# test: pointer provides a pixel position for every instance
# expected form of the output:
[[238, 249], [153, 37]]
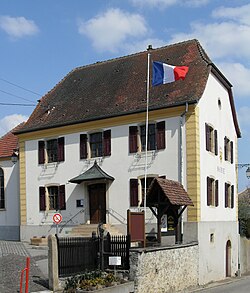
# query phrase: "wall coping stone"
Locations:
[[159, 248]]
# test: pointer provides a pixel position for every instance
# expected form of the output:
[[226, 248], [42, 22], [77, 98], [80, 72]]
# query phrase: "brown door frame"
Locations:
[[97, 203]]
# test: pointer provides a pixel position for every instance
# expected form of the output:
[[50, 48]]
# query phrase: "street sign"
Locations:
[[115, 261], [57, 218]]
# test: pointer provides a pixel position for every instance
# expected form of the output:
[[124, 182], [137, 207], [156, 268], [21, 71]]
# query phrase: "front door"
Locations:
[[97, 203]]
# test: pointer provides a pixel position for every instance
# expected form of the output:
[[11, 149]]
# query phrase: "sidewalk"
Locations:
[[215, 284]]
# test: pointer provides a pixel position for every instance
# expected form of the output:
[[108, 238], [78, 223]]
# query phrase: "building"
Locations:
[[82, 151], [9, 187]]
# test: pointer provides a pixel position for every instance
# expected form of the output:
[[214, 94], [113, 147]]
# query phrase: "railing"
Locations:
[[81, 211], [117, 216]]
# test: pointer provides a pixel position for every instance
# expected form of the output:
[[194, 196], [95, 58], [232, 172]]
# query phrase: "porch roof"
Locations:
[[169, 189], [93, 173]]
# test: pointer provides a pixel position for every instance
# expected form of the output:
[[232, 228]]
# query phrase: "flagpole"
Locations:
[[146, 144]]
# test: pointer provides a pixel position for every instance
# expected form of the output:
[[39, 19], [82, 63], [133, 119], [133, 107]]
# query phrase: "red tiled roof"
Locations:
[[118, 87], [9, 142], [173, 190]]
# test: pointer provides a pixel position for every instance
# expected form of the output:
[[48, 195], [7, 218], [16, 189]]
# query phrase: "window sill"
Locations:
[[2, 210]]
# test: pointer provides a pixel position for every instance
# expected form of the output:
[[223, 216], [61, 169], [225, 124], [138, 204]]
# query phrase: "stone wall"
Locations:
[[164, 269], [244, 255]]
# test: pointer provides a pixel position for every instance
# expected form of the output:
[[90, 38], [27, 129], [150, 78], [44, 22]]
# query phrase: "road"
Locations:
[[236, 286]]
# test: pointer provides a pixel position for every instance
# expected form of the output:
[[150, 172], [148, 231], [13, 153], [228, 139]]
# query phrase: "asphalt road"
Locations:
[[13, 257]]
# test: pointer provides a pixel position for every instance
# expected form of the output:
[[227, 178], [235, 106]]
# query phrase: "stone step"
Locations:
[[87, 229]]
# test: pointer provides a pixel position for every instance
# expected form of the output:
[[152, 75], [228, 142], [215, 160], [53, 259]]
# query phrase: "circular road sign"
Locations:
[[57, 218]]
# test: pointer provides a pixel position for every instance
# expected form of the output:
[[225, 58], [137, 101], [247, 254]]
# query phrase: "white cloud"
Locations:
[[238, 14], [161, 4], [238, 75], [154, 3], [220, 39], [18, 27], [110, 31], [11, 121]]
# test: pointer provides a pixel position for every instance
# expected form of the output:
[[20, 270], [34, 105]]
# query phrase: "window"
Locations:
[[151, 137], [211, 139], [50, 151], [228, 150], [52, 198], [229, 196], [212, 192], [96, 144], [137, 190], [156, 137], [2, 197]]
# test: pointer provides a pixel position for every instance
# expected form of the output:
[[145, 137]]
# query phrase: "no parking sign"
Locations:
[[57, 218]]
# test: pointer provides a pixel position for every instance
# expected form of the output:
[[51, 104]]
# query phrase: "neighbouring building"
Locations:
[[82, 151], [9, 187]]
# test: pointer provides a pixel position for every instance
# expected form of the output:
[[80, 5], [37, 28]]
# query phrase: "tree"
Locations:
[[244, 212]]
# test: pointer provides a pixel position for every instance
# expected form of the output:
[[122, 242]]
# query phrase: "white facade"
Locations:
[[218, 224], [121, 165], [10, 215]]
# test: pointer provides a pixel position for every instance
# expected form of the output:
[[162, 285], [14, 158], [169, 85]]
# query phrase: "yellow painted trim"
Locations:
[[23, 208], [193, 163], [103, 123]]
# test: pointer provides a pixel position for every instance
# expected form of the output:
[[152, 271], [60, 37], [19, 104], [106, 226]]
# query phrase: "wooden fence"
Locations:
[[78, 254]]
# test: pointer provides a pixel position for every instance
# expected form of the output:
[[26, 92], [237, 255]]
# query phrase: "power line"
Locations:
[[15, 96], [20, 87], [10, 104]]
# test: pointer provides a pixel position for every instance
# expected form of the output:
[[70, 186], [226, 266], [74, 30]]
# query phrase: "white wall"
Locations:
[[9, 217], [121, 165], [219, 221], [211, 165]]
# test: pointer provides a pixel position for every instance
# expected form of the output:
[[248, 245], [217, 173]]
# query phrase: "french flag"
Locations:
[[165, 73]]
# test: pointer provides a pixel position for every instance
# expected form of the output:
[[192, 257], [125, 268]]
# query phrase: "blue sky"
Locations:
[[42, 40]]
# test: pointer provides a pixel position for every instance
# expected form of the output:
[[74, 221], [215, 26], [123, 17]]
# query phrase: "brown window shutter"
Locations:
[[226, 195], [208, 142], [60, 149], [42, 198], [160, 135], [232, 151], [133, 139], [41, 154], [107, 142], [216, 193], [232, 196], [209, 191], [83, 146], [62, 202], [215, 142], [133, 192], [225, 149]]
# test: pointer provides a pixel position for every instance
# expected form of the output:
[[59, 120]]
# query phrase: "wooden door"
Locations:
[[97, 203], [228, 259]]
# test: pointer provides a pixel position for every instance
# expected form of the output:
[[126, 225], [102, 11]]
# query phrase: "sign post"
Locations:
[[57, 219]]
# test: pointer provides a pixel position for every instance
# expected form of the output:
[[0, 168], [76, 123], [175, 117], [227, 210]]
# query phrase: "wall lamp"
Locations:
[[14, 156], [245, 166]]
